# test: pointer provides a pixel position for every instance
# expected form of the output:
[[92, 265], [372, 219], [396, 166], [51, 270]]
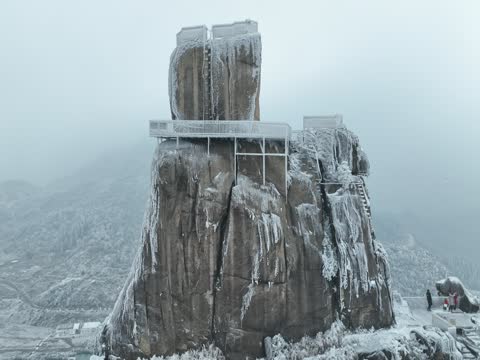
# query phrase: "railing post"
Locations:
[[286, 161], [235, 159], [263, 152], [208, 145]]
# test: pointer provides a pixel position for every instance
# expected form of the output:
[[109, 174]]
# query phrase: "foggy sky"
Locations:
[[78, 78]]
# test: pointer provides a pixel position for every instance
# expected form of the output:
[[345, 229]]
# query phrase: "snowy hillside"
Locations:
[[414, 267], [66, 248], [15, 190]]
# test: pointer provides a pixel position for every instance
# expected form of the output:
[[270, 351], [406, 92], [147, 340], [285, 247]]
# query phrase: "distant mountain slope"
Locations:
[[15, 190], [414, 267], [68, 246]]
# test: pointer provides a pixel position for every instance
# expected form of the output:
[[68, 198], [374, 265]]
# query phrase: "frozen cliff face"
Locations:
[[216, 78], [235, 72], [233, 263]]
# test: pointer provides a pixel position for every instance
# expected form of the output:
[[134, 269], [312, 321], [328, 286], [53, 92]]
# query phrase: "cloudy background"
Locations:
[[80, 78]]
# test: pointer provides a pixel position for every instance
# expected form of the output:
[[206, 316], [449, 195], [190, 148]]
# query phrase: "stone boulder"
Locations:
[[467, 302]]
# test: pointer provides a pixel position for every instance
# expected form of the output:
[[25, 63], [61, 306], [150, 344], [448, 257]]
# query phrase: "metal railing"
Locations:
[[219, 129], [236, 130], [322, 122]]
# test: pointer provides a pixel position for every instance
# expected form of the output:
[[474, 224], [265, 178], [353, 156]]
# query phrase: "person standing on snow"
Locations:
[[429, 300], [451, 301], [455, 301]]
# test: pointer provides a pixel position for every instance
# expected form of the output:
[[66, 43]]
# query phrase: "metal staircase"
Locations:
[[366, 203]]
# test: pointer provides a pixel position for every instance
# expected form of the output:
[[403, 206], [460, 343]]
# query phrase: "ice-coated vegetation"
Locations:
[[206, 353], [397, 343], [334, 149]]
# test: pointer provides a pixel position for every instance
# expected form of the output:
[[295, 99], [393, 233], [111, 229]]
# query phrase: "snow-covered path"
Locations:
[[418, 308], [421, 316]]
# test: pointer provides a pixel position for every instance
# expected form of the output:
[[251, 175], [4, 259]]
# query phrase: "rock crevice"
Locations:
[[217, 281]]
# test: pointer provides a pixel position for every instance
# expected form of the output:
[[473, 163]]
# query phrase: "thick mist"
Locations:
[[78, 79]]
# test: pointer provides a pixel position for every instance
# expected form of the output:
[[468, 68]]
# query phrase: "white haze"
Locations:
[[78, 78]]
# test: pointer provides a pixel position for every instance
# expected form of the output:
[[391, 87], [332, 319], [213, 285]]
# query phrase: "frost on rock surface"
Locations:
[[169, 294], [206, 353], [230, 262], [228, 259], [236, 67], [216, 79]]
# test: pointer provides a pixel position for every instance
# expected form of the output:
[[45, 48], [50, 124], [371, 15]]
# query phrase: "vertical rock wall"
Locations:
[[232, 264], [216, 79], [189, 81]]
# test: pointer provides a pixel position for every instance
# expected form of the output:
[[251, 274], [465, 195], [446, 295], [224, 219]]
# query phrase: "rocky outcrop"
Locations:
[[467, 302], [216, 78], [228, 258], [232, 263]]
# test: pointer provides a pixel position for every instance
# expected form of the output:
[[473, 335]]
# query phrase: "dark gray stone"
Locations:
[[218, 79]]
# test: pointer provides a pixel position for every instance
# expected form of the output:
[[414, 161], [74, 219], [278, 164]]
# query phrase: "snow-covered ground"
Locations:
[[420, 316], [17, 341], [20, 341], [417, 306], [338, 343]]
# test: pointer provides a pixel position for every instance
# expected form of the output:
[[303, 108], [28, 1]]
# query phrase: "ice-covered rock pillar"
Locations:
[[216, 77], [225, 257], [231, 263]]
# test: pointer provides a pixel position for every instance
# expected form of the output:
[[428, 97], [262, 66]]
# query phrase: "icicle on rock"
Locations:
[[216, 77]]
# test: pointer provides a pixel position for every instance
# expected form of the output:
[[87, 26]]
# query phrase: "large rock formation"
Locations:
[[232, 264], [216, 78], [231, 261]]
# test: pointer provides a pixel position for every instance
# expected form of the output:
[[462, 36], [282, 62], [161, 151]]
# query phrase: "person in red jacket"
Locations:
[[445, 304]]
